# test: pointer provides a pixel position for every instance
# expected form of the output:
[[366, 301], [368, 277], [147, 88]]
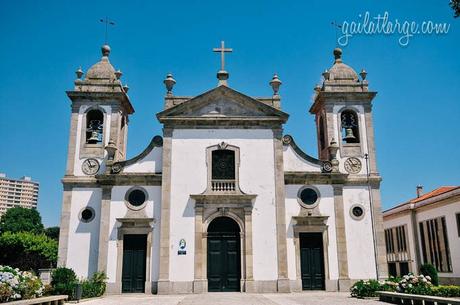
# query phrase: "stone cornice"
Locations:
[[310, 220], [75, 96], [314, 177], [111, 180], [337, 98], [223, 123], [331, 178], [237, 200], [130, 179]]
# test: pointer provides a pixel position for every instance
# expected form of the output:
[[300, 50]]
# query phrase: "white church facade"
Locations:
[[222, 200]]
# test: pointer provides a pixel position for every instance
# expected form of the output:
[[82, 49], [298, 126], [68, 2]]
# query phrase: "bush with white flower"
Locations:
[[415, 284], [16, 285]]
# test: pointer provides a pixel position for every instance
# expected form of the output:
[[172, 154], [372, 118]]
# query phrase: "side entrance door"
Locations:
[[312, 261], [134, 254]]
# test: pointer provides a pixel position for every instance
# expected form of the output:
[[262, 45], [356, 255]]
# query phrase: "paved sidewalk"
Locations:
[[235, 298]]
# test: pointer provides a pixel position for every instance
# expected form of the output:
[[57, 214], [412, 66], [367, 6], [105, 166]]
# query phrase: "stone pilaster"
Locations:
[[104, 228], [281, 238], [382, 267], [248, 257], [199, 282], [65, 226], [71, 149], [370, 139], [163, 281], [341, 236]]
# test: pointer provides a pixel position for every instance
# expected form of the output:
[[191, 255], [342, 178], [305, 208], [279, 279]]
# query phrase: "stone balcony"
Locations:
[[223, 185]]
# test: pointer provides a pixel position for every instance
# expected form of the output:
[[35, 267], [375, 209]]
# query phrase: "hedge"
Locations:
[[27, 251]]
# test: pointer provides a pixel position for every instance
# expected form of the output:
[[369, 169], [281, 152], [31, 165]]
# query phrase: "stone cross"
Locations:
[[222, 51]]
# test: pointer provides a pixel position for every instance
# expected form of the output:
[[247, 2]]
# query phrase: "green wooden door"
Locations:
[[312, 261], [223, 260], [134, 255]]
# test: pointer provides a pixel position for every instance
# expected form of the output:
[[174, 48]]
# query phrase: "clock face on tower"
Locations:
[[90, 166], [352, 165]]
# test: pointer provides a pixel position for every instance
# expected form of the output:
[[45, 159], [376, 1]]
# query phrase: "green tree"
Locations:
[[52, 232], [430, 270], [21, 220], [455, 5], [27, 251]]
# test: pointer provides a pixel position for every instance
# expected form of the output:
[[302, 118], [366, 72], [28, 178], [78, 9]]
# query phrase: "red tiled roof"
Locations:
[[433, 193]]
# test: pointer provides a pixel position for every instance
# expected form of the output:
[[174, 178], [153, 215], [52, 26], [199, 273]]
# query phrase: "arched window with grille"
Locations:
[[223, 162], [94, 126], [350, 126]]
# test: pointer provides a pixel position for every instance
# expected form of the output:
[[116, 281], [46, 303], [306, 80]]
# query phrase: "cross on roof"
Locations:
[[222, 51]]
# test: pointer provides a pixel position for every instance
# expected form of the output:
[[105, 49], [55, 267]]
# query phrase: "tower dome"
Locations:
[[340, 71], [102, 69]]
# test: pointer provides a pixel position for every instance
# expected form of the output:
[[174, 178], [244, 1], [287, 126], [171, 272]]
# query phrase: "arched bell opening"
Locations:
[[350, 127]]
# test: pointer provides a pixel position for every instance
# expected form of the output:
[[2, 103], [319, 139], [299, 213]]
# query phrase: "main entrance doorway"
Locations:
[[312, 261], [224, 257], [134, 254]]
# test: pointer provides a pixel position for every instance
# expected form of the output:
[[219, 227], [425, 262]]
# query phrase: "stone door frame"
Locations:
[[135, 226], [310, 224], [204, 215]]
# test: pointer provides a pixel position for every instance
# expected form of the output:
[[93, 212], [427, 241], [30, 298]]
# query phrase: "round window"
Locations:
[[87, 215], [136, 198], [309, 197], [357, 212]]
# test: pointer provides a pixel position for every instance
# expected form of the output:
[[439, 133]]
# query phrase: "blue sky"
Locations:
[[416, 111]]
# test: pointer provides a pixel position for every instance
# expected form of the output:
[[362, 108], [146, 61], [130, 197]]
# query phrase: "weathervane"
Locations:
[[336, 27], [107, 21], [222, 75]]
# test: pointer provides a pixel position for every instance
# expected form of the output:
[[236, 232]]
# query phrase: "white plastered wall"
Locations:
[[293, 162], [83, 243], [118, 209], [151, 163], [189, 176], [359, 234], [326, 208]]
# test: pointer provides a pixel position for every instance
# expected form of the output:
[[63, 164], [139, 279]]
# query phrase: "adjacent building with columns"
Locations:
[[425, 229], [222, 200]]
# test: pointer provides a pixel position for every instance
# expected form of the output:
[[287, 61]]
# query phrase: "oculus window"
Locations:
[[136, 198], [87, 214], [308, 197]]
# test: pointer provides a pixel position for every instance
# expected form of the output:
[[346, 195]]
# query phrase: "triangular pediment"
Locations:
[[222, 103]]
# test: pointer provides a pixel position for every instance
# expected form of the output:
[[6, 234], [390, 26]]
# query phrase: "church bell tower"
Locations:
[[343, 114], [99, 120], [343, 110]]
